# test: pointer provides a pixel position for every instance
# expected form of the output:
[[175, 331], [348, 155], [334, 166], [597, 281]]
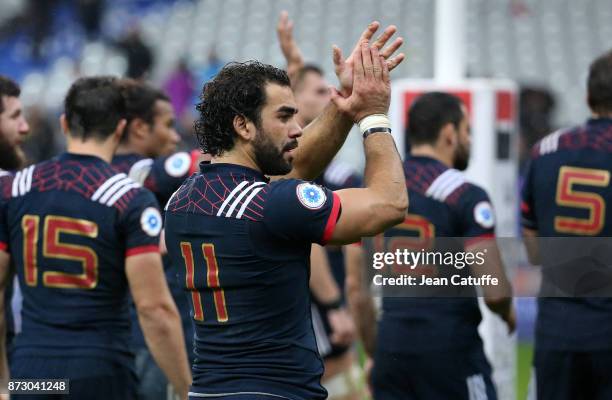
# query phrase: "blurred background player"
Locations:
[[81, 235], [429, 347], [13, 126], [312, 94], [147, 155], [566, 192], [275, 223], [13, 129]]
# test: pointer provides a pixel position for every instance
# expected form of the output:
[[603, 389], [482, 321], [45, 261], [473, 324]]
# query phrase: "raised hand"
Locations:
[[290, 49], [344, 67], [371, 85]]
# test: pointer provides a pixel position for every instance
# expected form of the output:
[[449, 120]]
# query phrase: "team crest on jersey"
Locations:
[[151, 221], [178, 164], [483, 214], [311, 196]]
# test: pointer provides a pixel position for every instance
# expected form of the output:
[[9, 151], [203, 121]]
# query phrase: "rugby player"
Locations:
[[82, 237], [429, 347], [312, 94], [566, 192], [13, 129], [251, 307], [147, 155]]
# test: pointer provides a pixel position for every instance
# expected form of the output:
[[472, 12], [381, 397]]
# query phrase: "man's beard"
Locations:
[[462, 158], [12, 156], [270, 159]]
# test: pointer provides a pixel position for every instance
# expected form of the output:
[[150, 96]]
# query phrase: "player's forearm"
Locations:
[[359, 300], [322, 283], [164, 336], [320, 142], [384, 177]]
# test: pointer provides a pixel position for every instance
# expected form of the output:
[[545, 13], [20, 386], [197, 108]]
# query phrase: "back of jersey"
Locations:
[[444, 209], [565, 196], [70, 223]]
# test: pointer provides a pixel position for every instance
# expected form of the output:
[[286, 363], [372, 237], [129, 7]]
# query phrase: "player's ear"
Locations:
[[448, 135], [64, 124], [139, 128], [244, 127], [120, 129]]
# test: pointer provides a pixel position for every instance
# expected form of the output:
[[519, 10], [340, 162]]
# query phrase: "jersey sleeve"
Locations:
[[167, 174], [141, 224], [301, 211], [5, 184], [477, 217], [528, 217]]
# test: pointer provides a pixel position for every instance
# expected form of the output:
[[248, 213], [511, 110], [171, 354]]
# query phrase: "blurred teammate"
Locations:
[[429, 348], [147, 155], [251, 308], [312, 94], [13, 129], [13, 126], [566, 192], [81, 235]]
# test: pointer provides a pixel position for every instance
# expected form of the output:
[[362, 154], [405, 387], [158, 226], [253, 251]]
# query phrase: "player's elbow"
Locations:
[[157, 314], [391, 213], [397, 207]]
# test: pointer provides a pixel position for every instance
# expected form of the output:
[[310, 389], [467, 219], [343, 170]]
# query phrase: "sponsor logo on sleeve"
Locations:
[[151, 221], [311, 196], [483, 214], [178, 164]]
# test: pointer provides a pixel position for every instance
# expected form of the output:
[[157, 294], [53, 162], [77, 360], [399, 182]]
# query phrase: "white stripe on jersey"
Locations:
[[22, 182], [140, 170], [121, 192], [229, 197], [15, 190], [115, 188], [445, 184], [247, 201], [28, 182], [106, 185], [240, 197]]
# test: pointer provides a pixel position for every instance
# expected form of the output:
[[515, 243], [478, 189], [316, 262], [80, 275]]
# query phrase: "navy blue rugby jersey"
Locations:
[[162, 175], [242, 247], [565, 195], [442, 204], [69, 223]]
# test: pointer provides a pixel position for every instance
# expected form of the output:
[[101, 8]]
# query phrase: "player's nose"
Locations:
[[24, 127], [295, 131]]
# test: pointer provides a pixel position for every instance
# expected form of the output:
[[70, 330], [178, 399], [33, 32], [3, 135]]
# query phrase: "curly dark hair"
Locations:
[[238, 89]]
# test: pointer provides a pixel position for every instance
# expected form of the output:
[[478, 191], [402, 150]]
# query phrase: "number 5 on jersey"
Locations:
[[212, 281], [568, 196]]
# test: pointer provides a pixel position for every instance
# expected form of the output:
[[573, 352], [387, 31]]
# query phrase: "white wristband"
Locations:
[[374, 121]]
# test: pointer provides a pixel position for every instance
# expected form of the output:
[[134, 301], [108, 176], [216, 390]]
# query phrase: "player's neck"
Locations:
[[429, 151], [104, 150], [130, 148], [238, 157], [601, 115]]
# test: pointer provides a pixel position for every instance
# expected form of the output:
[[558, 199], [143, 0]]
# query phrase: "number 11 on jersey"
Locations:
[[212, 281]]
